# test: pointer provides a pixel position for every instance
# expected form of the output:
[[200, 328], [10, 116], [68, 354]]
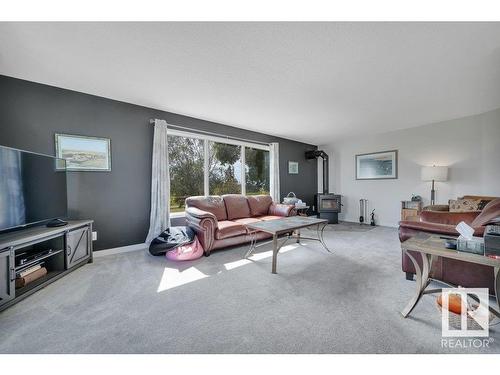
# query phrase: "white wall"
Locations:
[[469, 146]]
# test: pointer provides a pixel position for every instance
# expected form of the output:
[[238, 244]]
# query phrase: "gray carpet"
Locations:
[[345, 302]]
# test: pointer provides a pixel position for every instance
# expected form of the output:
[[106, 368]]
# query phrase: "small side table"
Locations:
[[410, 210], [301, 211], [430, 248]]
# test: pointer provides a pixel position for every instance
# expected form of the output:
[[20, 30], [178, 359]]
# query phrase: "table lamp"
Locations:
[[434, 173]]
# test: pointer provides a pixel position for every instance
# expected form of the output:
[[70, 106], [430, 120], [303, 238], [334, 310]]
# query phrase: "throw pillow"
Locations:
[[464, 205]]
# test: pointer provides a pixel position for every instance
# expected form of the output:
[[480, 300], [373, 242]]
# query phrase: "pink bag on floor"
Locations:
[[191, 251]]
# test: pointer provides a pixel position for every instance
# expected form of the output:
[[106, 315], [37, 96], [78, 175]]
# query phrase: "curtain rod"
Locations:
[[152, 122]]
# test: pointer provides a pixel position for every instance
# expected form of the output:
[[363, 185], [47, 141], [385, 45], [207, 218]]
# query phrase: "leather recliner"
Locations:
[[219, 221]]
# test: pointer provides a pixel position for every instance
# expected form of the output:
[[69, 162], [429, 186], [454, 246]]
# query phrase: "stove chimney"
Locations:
[[323, 155]]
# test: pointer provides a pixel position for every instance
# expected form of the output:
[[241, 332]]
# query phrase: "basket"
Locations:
[[455, 320], [291, 198]]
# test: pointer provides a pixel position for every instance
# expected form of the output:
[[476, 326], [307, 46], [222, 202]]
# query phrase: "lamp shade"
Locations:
[[434, 173]]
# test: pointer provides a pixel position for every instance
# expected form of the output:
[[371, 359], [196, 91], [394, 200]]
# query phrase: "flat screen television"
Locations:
[[32, 188]]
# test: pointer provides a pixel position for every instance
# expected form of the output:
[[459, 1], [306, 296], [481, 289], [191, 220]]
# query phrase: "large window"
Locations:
[[186, 164], [256, 171], [206, 165], [224, 169]]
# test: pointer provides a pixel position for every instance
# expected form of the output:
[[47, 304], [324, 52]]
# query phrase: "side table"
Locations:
[[431, 247], [301, 211], [410, 210]]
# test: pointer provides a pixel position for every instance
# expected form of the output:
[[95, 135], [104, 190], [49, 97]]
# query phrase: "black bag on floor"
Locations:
[[170, 239]]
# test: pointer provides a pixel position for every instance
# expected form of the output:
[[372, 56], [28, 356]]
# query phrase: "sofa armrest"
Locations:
[[408, 229], [204, 225], [449, 218], [278, 209], [200, 214], [429, 227]]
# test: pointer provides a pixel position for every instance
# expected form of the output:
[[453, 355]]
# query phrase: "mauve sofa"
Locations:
[[443, 222], [219, 221]]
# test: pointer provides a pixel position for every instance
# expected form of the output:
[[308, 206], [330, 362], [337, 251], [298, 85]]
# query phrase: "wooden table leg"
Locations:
[[275, 252], [298, 235], [422, 281]]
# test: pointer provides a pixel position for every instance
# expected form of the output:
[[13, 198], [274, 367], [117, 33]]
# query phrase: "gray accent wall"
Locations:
[[118, 201]]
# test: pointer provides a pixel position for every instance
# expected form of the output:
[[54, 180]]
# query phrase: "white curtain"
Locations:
[[275, 172], [159, 218]]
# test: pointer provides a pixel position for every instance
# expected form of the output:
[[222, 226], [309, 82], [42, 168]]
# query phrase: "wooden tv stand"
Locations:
[[61, 249]]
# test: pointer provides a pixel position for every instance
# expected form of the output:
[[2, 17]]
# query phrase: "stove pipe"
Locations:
[[323, 155]]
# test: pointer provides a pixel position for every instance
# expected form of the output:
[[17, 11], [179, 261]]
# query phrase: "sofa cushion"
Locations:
[[247, 220], [268, 217], [213, 204], [259, 204], [488, 215], [226, 229], [236, 206]]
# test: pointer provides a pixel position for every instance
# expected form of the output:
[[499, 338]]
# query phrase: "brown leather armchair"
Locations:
[[443, 222]]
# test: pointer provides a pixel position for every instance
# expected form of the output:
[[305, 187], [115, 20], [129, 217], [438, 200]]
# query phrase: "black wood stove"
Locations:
[[328, 205]]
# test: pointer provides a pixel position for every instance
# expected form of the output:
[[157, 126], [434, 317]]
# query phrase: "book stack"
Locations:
[[29, 275]]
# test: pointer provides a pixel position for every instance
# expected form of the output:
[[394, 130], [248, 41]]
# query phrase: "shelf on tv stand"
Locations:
[[37, 260], [38, 282]]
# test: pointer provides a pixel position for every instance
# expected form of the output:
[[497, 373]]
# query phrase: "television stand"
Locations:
[[56, 251]]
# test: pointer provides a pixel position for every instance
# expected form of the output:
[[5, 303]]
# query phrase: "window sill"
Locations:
[[177, 214]]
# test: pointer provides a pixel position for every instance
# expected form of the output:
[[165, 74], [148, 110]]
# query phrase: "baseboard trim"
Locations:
[[378, 224], [120, 250], [386, 225]]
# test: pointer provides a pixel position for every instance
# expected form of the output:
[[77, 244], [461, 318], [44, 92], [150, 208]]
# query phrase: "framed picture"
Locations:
[[84, 153], [293, 167], [377, 165]]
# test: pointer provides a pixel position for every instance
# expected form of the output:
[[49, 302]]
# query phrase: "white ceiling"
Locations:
[[313, 82]]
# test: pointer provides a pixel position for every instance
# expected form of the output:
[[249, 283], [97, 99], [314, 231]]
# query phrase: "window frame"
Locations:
[[206, 139]]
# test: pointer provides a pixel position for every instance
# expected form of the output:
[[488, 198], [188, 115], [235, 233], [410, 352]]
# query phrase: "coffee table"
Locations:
[[431, 247], [289, 226]]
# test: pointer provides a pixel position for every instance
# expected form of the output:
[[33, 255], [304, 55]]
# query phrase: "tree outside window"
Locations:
[[224, 169], [186, 164], [256, 171]]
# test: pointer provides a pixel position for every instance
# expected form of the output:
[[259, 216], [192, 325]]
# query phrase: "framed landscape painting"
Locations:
[[377, 165], [84, 153]]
